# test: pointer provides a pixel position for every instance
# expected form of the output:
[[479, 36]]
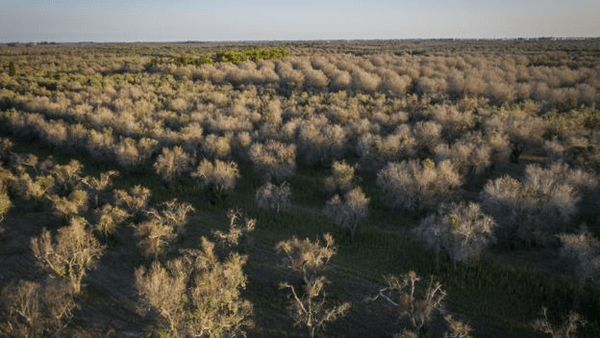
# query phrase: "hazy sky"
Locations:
[[211, 20]]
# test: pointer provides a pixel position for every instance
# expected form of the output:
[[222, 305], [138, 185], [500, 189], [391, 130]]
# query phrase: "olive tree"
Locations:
[[536, 207], [400, 292], [275, 197], [162, 227], [70, 253], [342, 178], [416, 185], [218, 178], [134, 201], [460, 230], [5, 204], [581, 251], [171, 164], [75, 204], [348, 211], [308, 306], [456, 328], [108, 218], [240, 228], [33, 309], [95, 186], [274, 158], [566, 330], [197, 294], [67, 176]]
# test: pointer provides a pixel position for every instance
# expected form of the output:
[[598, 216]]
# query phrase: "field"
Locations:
[[155, 189]]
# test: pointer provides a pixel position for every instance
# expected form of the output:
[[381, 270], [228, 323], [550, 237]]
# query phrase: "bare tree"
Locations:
[[309, 307], [163, 288], [582, 252], [320, 142], [218, 308], [198, 295], [566, 330], [406, 333], [216, 146], [457, 328], [108, 218], [237, 232], [522, 128], [131, 154], [133, 201], [459, 229], [537, 206], [274, 158], [72, 252], [5, 149], [100, 143], [67, 176], [25, 162], [162, 226], [127, 153], [22, 302], [29, 188], [154, 236], [171, 164], [173, 214], [73, 205], [349, 211], [271, 196], [307, 257], [219, 178], [342, 178], [59, 301], [37, 309], [96, 186], [400, 293], [5, 203], [417, 185], [467, 155]]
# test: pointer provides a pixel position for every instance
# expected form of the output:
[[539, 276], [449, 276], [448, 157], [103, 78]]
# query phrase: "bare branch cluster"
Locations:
[[198, 294], [400, 293], [72, 252], [309, 307], [460, 230]]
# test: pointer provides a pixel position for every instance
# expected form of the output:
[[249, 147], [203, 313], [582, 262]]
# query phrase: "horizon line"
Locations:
[[551, 38]]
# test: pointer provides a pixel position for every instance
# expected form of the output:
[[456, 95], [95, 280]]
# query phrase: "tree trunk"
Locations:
[[311, 332], [517, 149]]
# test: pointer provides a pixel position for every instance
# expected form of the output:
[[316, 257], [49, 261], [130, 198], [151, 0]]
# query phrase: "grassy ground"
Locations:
[[499, 296]]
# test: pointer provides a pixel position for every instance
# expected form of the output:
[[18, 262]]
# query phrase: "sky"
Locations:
[[236, 20]]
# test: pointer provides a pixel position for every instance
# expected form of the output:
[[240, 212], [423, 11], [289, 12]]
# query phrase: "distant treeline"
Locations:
[[232, 56]]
